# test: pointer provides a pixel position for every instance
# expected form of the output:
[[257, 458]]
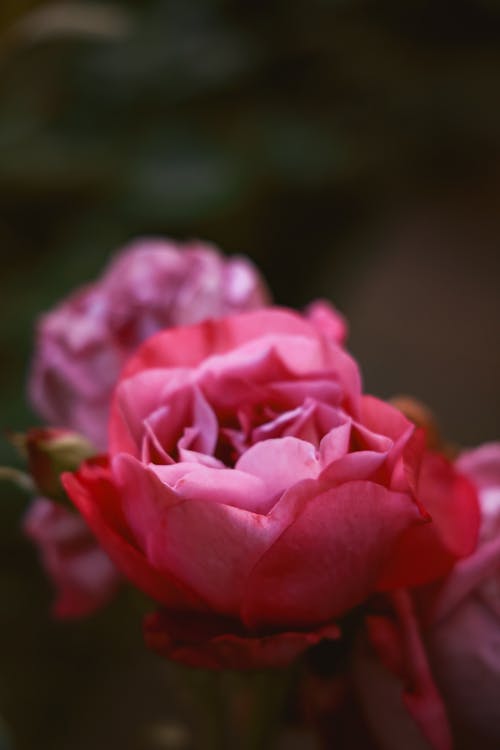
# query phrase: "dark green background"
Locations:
[[350, 148]]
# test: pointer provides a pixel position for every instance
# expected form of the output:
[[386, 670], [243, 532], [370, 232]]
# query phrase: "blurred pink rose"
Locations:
[[460, 629], [83, 343], [84, 576], [464, 637]]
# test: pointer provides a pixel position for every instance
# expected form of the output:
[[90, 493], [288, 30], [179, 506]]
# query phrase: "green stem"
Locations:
[[17, 477]]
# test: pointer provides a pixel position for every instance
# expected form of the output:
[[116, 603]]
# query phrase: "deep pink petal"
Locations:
[[189, 345], [428, 552], [208, 546], [351, 529], [95, 494]]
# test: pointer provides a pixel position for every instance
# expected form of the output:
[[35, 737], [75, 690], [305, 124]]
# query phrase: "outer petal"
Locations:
[[209, 546], [327, 320], [350, 529], [221, 485], [218, 643], [187, 346], [426, 553], [94, 493]]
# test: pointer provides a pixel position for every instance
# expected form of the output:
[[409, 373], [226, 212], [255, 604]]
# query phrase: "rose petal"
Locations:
[[136, 399], [209, 546], [280, 463], [428, 552], [327, 320], [95, 495], [351, 529], [190, 345]]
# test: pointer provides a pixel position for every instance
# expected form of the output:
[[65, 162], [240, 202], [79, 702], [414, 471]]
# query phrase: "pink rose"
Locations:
[[84, 576], [83, 343], [253, 491]]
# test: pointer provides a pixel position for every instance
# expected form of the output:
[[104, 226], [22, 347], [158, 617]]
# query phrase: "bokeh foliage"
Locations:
[[276, 128]]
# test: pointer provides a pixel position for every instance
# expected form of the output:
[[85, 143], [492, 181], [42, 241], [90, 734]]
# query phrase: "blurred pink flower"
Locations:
[[460, 629], [84, 576], [464, 639], [82, 344]]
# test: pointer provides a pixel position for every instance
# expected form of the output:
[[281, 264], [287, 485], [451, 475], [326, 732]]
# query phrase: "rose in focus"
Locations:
[[83, 343], [255, 493]]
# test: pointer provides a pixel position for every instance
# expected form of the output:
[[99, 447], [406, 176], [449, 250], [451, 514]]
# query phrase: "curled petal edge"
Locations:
[[216, 643]]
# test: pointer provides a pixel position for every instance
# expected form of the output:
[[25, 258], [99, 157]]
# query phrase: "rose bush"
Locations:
[[256, 494], [81, 346]]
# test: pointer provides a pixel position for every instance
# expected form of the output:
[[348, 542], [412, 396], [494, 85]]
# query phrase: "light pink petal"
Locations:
[[152, 449], [135, 399], [346, 373], [327, 320], [335, 444], [229, 486], [280, 463], [321, 387], [310, 421]]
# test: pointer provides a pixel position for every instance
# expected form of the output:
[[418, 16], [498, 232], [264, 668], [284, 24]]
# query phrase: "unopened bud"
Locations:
[[51, 452]]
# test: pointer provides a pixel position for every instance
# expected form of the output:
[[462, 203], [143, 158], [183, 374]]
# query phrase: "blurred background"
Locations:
[[351, 148]]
